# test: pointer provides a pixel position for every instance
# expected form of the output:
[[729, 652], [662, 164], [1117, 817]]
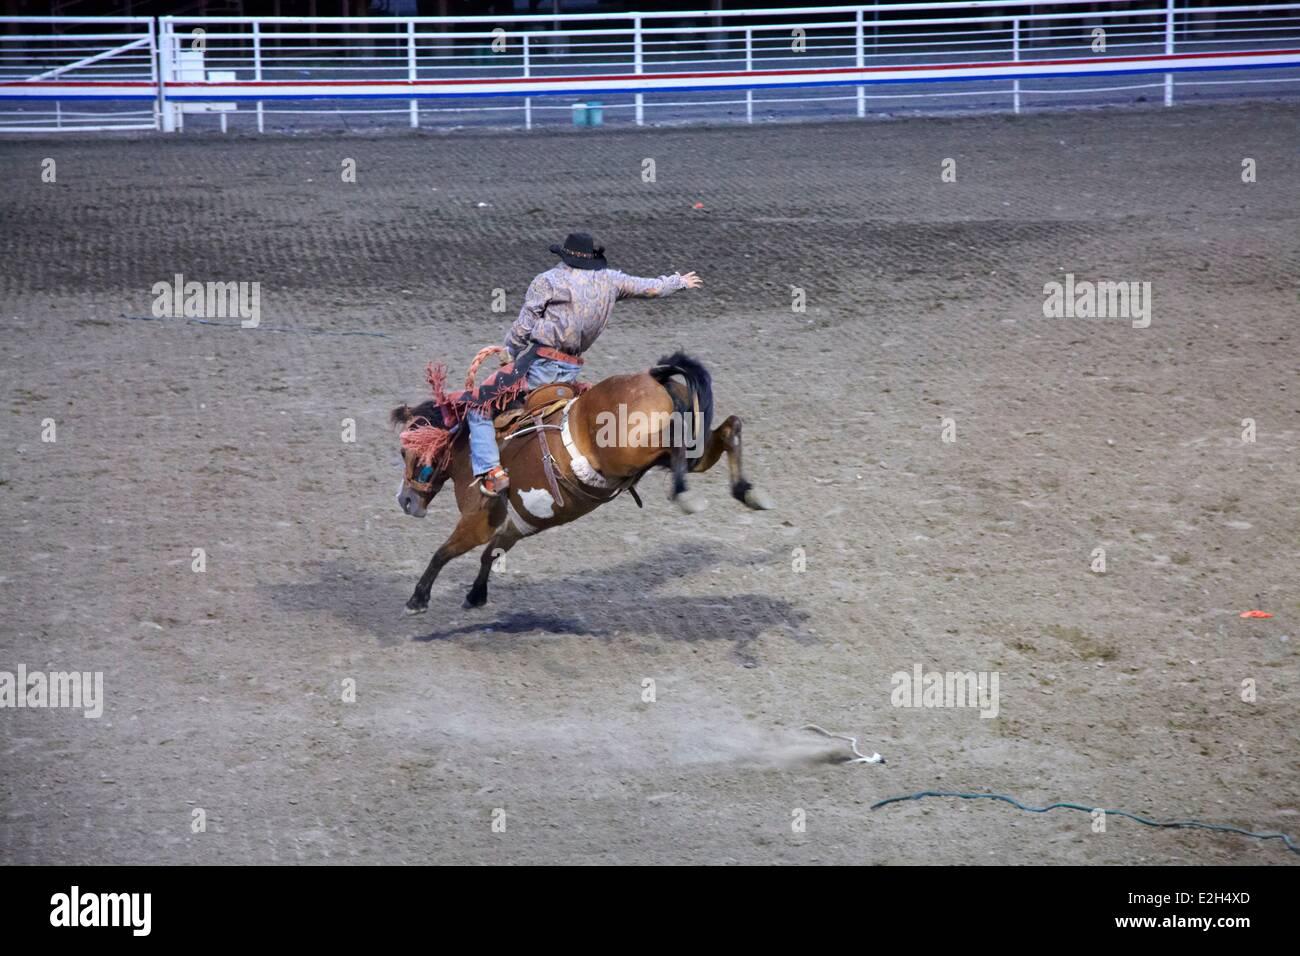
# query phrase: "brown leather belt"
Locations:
[[546, 352]]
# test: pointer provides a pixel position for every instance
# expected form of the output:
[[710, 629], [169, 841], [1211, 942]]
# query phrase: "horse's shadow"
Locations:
[[626, 600]]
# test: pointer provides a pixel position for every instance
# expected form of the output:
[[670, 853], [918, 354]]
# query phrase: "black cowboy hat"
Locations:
[[581, 252]]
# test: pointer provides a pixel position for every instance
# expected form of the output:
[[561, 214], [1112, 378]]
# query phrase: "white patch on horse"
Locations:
[[537, 502]]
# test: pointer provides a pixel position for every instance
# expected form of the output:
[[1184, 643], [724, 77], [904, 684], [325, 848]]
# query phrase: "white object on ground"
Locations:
[[859, 756]]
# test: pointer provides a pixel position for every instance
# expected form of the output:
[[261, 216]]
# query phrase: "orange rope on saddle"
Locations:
[[480, 358]]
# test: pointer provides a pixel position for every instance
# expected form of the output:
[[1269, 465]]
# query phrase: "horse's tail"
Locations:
[[696, 408]]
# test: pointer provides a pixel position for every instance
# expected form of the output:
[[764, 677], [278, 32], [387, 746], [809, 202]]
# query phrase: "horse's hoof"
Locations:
[[415, 608], [690, 504], [758, 500], [470, 602]]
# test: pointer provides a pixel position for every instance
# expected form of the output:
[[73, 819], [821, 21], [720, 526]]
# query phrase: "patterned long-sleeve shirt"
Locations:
[[567, 308]]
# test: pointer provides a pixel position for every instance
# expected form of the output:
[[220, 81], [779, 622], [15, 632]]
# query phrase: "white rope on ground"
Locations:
[[859, 756]]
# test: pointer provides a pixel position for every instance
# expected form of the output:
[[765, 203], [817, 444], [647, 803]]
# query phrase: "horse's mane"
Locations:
[[430, 427]]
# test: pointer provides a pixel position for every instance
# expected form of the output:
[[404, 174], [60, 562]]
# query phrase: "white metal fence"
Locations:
[[78, 73], [660, 66]]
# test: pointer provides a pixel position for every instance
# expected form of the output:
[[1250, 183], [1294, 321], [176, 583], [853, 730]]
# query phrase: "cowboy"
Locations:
[[564, 311]]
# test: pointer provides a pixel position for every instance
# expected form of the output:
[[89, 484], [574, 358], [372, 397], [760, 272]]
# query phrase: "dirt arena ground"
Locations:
[[224, 689]]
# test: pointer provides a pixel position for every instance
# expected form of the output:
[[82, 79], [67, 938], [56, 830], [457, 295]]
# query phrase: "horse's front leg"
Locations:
[[473, 529], [501, 542]]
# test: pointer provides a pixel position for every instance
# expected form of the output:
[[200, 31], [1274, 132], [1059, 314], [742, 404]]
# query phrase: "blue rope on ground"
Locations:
[[1173, 824]]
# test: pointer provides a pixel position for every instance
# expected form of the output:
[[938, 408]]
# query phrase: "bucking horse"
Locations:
[[569, 448]]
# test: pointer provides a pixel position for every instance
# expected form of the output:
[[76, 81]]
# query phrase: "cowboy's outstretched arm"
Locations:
[[539, 293], [636, 287]]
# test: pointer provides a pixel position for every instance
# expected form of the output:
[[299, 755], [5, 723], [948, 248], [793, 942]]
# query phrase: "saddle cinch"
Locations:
[[541, 402]]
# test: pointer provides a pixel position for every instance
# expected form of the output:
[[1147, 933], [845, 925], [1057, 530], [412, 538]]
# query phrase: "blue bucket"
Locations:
[[588, 114]]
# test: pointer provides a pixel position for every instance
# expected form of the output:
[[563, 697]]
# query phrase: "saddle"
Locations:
[[542, 402]]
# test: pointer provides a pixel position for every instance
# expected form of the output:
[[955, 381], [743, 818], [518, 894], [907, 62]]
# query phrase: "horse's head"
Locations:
[[426, 455]]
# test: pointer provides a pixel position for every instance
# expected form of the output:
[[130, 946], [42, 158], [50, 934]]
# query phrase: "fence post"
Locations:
[[528, 100], [1169, 49], [858, 43], [749, 68], [165, 73], [1015, 55], [153, 71], [638, 66], [257, 68], [412, 72]]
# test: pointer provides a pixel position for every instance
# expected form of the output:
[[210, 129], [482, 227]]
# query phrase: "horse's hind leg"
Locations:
[[726, 438], [501, 542], [679, 464], [472, 530]]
